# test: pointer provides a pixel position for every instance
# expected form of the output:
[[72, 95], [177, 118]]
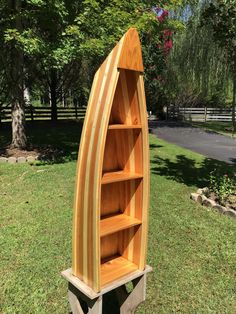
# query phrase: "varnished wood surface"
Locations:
[[131, 55], [89, 292], [117, 223], [124, 126], [113, 171], [116, 268], [117, 176], [119, 197]]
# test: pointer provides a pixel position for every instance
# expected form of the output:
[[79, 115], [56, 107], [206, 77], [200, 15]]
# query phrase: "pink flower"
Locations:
[[165, 13], [167, 33], [168, 44], [160, 18], [160, 13]]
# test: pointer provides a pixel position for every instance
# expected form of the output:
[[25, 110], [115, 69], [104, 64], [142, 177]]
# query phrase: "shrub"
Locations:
[[222, 185]]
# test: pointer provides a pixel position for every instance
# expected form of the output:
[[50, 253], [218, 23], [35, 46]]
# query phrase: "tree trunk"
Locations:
[[53, 94], [18, 125], [27, 96], [17, 91]]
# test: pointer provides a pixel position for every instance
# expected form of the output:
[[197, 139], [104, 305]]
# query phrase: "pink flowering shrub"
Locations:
[[166, 42], [158, 44]]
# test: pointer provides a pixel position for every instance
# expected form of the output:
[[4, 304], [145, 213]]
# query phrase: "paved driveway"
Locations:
[[207, 143]]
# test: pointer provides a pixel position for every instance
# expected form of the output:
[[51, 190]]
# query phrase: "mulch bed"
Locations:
[[210, 199], [41, 152], [229, 202]]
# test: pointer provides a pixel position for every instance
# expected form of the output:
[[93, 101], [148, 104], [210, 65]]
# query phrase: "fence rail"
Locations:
[[199, 114], [44, 113]]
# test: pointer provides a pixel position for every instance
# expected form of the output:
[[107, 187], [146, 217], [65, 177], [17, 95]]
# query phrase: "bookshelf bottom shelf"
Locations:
[[116, 268]]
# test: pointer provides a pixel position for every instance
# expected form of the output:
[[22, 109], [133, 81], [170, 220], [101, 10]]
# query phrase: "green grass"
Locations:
[[62, 135], [224, 128], [192, 249]]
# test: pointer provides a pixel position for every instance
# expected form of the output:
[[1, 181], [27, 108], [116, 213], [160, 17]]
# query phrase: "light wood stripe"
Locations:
[[88, 254], [78, 214], [131, 110], [85, 203], [100, 154], [87, 177], [146, 180]]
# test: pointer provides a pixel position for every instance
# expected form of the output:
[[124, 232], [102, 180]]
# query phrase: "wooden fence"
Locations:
[[44, 113], [199, 114]]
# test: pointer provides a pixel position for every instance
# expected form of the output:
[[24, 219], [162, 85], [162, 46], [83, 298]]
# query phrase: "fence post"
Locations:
[[31, 113], [76, 112], [205, 114]]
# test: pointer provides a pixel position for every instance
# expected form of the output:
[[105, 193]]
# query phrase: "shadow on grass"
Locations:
[[186, 170], [153, 146], [54, 142], [233, 160]]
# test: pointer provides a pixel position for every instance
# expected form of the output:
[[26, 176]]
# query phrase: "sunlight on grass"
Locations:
[[224, 128], [191, 248]]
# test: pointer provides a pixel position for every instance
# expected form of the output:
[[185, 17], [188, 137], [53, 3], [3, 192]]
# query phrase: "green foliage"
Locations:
[[224, 185], [71, 38], [220, 15], [198, 70]]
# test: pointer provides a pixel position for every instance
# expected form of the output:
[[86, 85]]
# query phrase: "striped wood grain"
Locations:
[[107, 153]]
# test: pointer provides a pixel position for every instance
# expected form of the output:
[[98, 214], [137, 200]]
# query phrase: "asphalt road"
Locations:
[[207, 143]]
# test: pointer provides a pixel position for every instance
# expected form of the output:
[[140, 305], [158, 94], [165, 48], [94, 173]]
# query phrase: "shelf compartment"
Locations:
[[123, 150], [124, 126], [118, 176], [125, 106], [124, 197], [120, 253], [117, 223], [115, 268]]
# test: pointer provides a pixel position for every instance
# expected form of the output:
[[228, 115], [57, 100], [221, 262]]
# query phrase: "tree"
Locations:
[[197, 74], [35, 36], [221, 17], [49, 40], [94, 28], [12, 68]]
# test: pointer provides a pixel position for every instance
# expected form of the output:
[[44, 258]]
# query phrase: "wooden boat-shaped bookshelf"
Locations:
[[112, 186]]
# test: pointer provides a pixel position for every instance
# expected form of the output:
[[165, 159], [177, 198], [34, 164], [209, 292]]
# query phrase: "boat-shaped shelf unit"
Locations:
[[112, 185]]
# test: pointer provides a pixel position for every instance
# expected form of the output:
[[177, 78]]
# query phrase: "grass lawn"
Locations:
[[191, 248], [216, 126]]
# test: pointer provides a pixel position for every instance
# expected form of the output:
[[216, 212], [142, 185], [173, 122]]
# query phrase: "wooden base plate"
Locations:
[[80, 285]]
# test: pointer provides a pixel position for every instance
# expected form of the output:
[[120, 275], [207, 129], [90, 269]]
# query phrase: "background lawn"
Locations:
[[216, 126], [192, 249]]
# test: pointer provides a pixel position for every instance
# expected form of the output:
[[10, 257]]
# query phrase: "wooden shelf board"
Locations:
[[124, 126], [117, 223], [115, 269], [117, 176]]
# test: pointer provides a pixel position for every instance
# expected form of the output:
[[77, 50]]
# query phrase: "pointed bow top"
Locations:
[[131, 53]]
